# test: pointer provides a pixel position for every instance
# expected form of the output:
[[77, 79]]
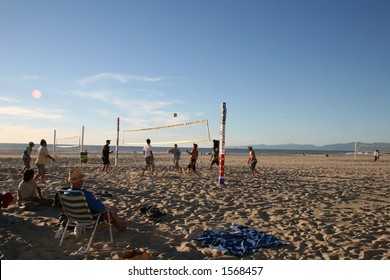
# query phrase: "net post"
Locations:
[[82, 139], [54, 143], [117, 142], [355, 150], [221, 179]]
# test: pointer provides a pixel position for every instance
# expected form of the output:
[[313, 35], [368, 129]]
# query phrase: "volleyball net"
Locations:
[[368, 149], [188, 132], [68, 142]]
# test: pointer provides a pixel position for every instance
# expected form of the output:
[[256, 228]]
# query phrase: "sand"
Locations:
[[325, 208]]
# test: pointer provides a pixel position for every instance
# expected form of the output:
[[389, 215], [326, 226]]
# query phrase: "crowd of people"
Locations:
[[29, 193], [30, 197]]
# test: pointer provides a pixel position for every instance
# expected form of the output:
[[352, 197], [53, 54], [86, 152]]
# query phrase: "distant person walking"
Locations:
[[376, 155], [176, 153], [149, 158], [42, 161], [252, 160], [26, 157], [106, 156], [193, 158]]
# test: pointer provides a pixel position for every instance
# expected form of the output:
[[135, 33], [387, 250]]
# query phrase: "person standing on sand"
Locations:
[[149, 158], [376, 155], [176, 157], [42, 161], [106, 156], [214, 159], [193, 158], [252, 160], [26, 157]]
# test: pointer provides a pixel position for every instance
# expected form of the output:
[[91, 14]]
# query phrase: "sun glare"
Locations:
[[36, 94]]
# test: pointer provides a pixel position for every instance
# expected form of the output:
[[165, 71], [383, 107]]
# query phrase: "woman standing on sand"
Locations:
[[252, 160]]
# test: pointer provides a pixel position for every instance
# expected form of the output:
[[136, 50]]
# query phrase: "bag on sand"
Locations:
[[57, 201], [152, 212]]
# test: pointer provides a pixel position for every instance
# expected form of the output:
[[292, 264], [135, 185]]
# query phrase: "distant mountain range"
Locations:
[[332, 147]]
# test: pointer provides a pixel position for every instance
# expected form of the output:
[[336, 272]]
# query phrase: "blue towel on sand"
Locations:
[[238, 240]]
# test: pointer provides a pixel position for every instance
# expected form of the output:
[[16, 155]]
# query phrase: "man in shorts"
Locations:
[[42, 160], [149, 158], [252, 160], [176, 157], [106, 156]]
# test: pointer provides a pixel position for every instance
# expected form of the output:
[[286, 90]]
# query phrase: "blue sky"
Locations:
[[305, 72]]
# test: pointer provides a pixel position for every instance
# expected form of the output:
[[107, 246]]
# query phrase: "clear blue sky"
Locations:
[[303, 71]]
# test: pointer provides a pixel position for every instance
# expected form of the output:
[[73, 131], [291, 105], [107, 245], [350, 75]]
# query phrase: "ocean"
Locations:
[[12, 147]]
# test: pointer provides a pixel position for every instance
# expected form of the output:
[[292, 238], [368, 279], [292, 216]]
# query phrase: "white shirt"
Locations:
[[42, 156], [148, 150]]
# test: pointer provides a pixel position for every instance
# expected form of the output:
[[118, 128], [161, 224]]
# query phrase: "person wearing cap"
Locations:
[[29, 193], [42, 160], [106, 156], [149, 157], [76, 179], [26, 157], [193, 158]]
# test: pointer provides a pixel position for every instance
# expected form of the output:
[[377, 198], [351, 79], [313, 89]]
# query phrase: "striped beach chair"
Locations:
[[79, 215]]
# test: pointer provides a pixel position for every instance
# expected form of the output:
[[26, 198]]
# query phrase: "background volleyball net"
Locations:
[[368, 149], [68, 142], [188, 132]]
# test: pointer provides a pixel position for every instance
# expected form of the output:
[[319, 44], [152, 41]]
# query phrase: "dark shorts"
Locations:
[[105, 160], [253, 164], [149, 161], [192, 164], [26, 162]]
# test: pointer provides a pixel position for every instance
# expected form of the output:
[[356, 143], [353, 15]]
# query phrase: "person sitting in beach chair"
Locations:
[[76, 179], [29, 194]]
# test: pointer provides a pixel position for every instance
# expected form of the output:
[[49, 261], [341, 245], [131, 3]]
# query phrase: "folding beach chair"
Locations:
[[79, 216]]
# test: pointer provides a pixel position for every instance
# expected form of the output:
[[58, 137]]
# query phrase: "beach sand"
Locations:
[[331, 207]]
